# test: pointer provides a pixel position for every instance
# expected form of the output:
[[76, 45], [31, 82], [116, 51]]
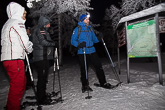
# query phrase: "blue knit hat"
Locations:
[[83, 17]]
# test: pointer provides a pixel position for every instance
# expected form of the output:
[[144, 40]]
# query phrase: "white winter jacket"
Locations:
[[14, 39]]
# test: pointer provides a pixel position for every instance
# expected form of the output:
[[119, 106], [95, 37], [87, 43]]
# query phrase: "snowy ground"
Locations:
[[143, 93]]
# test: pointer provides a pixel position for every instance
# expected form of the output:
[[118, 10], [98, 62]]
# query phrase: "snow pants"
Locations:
[[94, 60], [42, 68], [16, 71]]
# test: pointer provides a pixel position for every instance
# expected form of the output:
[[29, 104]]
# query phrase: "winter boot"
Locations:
[[86, 88], [46, 100], [107, 86]]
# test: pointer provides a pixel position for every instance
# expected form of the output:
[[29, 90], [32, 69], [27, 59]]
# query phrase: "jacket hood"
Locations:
[[15, 11], [43, 20]]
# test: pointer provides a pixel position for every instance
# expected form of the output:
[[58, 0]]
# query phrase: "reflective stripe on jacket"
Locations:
[[43, 45], [14, 39]]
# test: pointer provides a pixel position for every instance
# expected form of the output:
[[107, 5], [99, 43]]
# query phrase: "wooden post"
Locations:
[[60, 39], [158, 49]]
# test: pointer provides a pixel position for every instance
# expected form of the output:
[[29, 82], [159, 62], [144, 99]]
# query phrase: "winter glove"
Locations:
[[82, 44], [100, 36], [29, 47]]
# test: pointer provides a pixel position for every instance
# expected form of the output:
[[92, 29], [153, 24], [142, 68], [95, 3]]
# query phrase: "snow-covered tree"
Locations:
[[113, 14], [59, 6], [127, 7], [64, 15], [132, 6]]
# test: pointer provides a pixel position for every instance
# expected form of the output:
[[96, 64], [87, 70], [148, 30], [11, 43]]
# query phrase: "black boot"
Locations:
[[107, 86], [86, 88], [46, 101]]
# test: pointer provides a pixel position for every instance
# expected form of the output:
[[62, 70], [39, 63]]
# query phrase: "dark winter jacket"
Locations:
[[87, 35], [42, 43]]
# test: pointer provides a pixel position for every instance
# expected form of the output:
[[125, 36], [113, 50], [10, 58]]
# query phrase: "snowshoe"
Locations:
[[48, 101], [53, 94], [58, 99], [34, 103], [31, 97], [49, 95], [106, 86]]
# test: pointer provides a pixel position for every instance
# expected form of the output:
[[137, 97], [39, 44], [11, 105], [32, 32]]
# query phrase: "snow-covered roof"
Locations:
[[146, 12]]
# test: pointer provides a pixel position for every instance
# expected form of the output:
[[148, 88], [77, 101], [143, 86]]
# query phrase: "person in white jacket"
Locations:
[[15, 44]]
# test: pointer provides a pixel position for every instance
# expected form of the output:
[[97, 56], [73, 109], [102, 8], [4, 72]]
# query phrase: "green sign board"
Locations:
[[141, 40]]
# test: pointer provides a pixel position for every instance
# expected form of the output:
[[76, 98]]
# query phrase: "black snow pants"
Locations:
[[94, 60], [42, 68]]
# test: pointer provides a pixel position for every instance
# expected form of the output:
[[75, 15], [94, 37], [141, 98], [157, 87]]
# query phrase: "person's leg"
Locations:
[[83, 79], [98, 67], [41, 81], [42, 68], [16, 72], [99, 71], [28, 79], [47, 64]]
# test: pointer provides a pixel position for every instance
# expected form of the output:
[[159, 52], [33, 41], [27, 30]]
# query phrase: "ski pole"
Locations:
[[88, 97], [30, 71], [113, 69], [54, 71], [58, 68], [32, 80]]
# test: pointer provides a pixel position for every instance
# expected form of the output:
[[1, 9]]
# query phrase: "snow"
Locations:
[[143, 93], [143, 13]]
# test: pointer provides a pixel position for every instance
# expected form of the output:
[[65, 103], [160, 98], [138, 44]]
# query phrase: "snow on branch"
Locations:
[[127, 7], [59, 6]]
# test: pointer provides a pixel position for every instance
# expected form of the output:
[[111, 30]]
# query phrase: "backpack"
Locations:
[[74, 49]]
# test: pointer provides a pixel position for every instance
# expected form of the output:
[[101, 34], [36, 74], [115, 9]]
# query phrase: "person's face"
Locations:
[[24, 15], [28, 31], [48, 25], [86, 21]]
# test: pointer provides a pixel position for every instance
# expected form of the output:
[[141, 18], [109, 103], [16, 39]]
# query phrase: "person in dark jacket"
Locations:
[[43, 52], [86, 40], [28, 79]]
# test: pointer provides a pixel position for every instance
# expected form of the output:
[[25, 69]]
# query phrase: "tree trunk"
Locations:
[[60, 39]]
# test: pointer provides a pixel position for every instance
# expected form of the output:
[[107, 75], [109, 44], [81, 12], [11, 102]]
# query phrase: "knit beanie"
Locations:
[[83, 17]]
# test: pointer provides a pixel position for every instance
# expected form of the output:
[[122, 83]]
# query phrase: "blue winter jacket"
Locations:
[[86, 35]]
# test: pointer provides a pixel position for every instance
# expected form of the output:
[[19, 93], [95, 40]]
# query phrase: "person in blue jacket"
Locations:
[[85, 39]]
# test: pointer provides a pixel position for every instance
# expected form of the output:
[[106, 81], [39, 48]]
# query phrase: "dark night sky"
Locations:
[[96, 15], [3, 14]]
